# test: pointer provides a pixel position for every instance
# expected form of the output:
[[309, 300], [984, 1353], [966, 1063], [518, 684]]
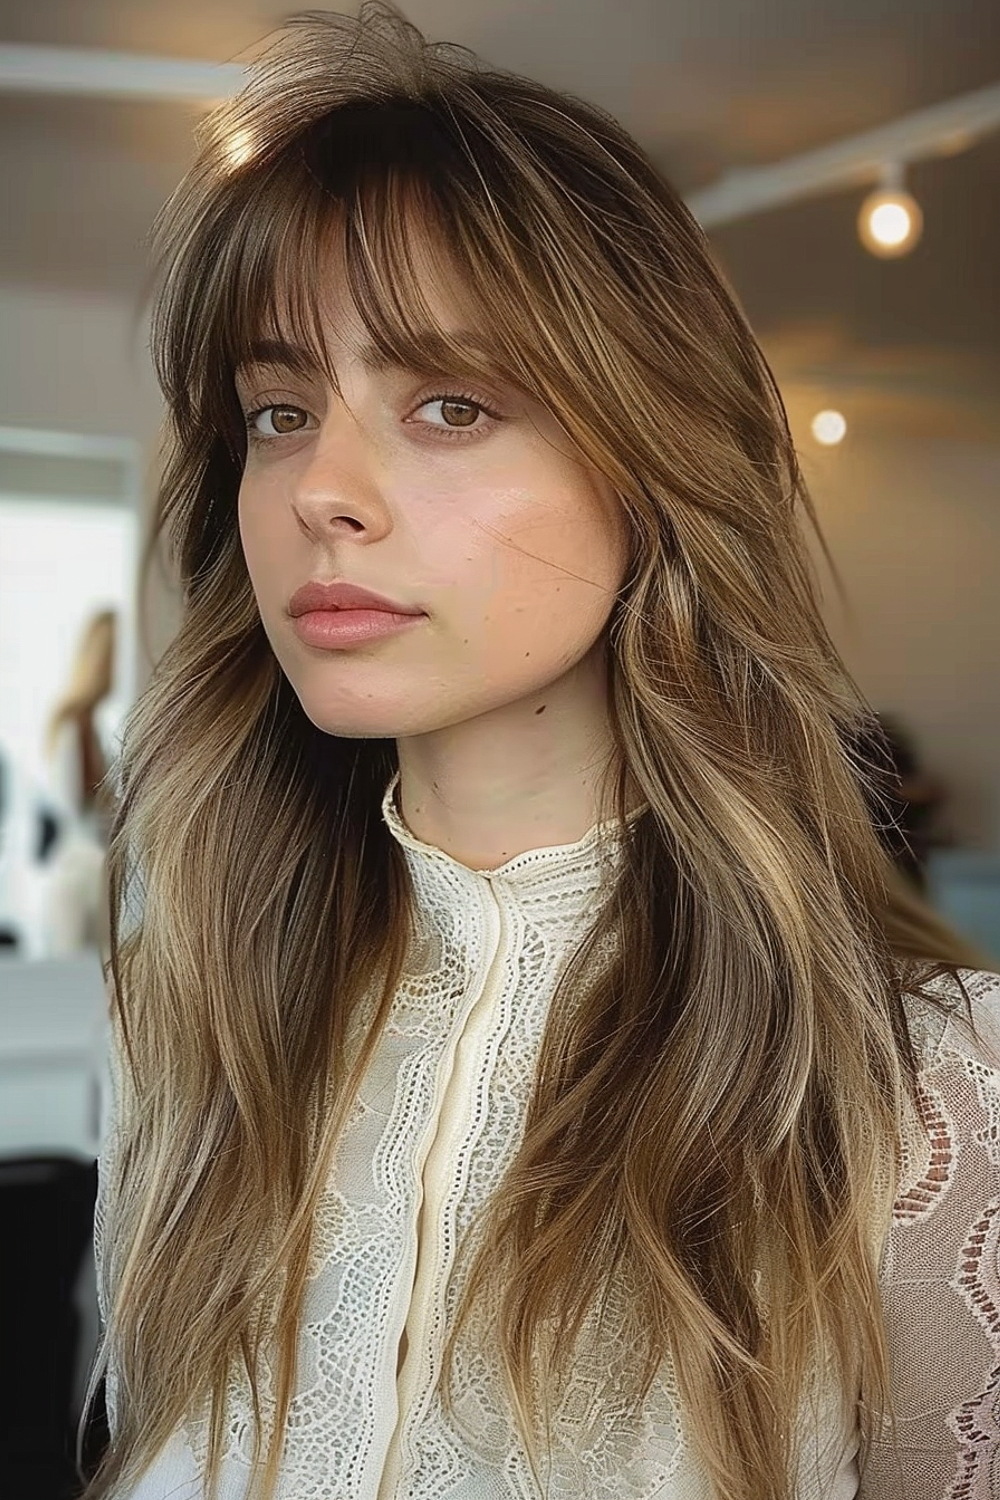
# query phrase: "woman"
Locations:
[[532, 1078]]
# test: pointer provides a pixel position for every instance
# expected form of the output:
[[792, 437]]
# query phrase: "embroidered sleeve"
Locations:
[[941, 1274]]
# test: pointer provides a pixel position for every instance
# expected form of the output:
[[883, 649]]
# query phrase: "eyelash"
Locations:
[[468, 398], [450, 434]]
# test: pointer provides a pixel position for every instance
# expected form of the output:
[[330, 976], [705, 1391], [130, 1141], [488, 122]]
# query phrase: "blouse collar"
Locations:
[[557, 879]]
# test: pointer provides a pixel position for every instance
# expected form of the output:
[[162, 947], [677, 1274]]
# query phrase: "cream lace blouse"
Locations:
[[433, 1130]]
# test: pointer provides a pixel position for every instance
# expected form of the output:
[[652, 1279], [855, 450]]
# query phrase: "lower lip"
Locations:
[[349, 627]]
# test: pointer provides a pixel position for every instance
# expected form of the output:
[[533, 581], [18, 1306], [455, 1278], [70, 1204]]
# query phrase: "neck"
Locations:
[[525, 776]]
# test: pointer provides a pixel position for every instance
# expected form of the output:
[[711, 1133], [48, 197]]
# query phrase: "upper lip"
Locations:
[[342, 596]]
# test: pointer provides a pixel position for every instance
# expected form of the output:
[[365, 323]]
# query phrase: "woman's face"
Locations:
[[463, 503]]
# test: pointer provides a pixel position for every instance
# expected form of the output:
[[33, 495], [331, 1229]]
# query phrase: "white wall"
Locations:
[[75, 363], [79, 363], [913, 524]]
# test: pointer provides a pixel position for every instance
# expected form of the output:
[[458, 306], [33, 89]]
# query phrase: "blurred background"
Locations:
[[845, 161]]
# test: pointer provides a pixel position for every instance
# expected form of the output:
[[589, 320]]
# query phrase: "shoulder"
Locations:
[[940, 1271], [951, 1142], [956, 1017]]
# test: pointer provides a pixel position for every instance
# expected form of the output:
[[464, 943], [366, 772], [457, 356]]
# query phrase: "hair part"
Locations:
[[714, 1129]]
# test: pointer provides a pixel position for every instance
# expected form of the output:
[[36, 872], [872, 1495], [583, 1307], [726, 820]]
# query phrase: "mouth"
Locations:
[[332, 629], [331, 598]]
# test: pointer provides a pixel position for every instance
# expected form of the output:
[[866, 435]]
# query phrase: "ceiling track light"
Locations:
[[939, 130], [890, 221]]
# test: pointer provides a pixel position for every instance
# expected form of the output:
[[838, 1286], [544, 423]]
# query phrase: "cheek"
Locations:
[[247, 522], [546, 581], [260, 536]]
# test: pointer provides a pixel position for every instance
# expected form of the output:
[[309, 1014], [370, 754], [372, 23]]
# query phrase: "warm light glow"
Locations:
[[239, 148], [890, 222], [828, 427]]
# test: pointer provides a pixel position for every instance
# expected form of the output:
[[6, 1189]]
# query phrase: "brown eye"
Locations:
[[455, 413], [459, 413], [452, 411], [276, 421], [286, 418]]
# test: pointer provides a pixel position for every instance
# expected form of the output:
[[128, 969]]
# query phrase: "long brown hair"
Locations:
[[91, 680], [718, 1116]]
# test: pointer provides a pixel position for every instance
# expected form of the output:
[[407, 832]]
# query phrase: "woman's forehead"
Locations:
[[370, 312], [321, 327]]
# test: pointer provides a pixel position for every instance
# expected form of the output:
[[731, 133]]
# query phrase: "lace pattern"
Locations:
[[941, 1275], [438, 1120]]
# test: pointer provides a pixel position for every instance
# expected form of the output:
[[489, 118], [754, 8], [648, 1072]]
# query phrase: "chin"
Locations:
[[399, 707], [353, 727], [372, 721]]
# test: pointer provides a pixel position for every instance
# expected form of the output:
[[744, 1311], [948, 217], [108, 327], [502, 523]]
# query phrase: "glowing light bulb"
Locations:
[[828, 427], [890, 222]]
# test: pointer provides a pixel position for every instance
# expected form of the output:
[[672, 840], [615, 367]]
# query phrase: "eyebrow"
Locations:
[[284, 354]]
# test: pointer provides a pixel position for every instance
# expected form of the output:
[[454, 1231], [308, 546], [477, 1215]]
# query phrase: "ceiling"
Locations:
[[705, 85]]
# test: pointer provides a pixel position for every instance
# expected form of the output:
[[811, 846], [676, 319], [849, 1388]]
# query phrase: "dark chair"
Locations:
[[46, 1222]]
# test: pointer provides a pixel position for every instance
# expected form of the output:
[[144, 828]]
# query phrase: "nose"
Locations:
[[338, 487]]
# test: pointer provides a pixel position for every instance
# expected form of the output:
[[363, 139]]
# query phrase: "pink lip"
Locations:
[[334, 629], [335, 596]]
